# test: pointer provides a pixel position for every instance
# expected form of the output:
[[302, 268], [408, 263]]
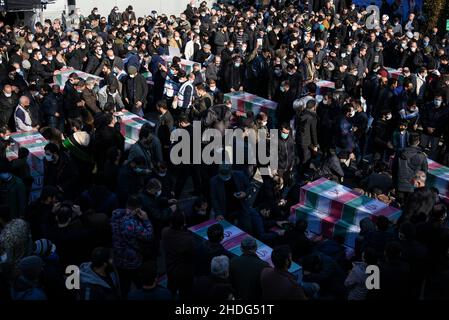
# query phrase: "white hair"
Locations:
[[219, 266]]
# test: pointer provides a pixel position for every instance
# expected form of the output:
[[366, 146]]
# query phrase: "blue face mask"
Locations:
[[227, 178], [284, 136], [138, 170]]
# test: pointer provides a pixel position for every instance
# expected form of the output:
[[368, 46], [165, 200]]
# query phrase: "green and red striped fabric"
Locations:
[[131, 124], [244, 102], [233, 236], [323, 224], [438, 177], [35, 143], [343, 203]]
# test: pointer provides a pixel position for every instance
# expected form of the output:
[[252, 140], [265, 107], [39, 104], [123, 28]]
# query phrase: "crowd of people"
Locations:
[[121, 215]]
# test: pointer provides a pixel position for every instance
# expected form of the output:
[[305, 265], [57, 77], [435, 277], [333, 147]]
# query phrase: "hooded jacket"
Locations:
[[355, 282], [24, 289], [406, 163], [93, 287]]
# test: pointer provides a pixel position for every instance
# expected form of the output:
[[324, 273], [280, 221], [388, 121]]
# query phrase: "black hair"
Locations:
[[100, 256], [145, 131], [382, 223], [147, 273], [215, 233], [370, 256], [52, 147], [133, 202], [76, 123], [413, 138], [162, 104], [178, 220], [23, 152], [285, 125], [65, 212], [301, 225], [280, 256]]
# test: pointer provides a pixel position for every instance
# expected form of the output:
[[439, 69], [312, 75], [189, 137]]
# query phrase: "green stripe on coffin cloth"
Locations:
[[364, 207], [344, 203], [322, 224], [244, 102], [327, 196], [438, 177]]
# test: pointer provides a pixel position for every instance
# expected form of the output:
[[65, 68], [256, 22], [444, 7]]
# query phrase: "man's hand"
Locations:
[[139, 104], [390, 145], [232, 90], [240, 195], [141, 214], [241, 88], [173, 207], [430, 130], [57, 114], [172, 201]]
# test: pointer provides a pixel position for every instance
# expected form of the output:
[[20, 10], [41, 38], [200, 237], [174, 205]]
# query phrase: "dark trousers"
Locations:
[[181, 286], [127, 278], [430, 142], [402, 197], [186, 171]]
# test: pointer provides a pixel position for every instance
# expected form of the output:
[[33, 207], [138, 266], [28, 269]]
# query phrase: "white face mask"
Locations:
[[264, 123], [352, 113], [157, 194], [212, 88], [49, 58], [8, 95], [132, 76], [49, 158], [389, 116], [100, 52]]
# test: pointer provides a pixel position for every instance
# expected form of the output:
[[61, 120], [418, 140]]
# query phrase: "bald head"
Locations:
[[24, 101]]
